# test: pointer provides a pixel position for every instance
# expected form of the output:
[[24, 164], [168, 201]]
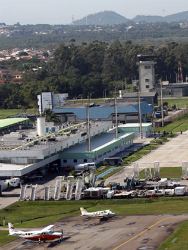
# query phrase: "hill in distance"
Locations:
[[102, 18], [148, 19], [112, 18], [178, 17]]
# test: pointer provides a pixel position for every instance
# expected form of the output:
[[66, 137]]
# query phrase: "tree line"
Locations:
[[96, 68]]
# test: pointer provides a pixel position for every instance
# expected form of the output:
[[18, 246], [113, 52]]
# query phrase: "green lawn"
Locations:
[[178, 240], [177, 126], [179, 102], [175, 172], [5, 238], [4, 113], [85, 101], [40, 213]]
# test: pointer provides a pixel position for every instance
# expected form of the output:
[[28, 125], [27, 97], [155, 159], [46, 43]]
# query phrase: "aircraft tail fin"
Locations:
[[11, 229], [83, 211]]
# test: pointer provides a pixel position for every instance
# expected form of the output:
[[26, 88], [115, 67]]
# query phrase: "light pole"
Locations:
[[88, 124], [162, 113], [116, 116], [140, 114]]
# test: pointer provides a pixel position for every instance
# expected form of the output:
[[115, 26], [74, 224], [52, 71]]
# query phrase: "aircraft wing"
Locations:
[[46, 229], [103, 215]]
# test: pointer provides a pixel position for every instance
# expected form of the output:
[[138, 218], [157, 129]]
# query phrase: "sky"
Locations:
[[63, 11]]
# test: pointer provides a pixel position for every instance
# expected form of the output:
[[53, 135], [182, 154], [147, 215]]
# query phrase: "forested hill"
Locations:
[[113, 18], [178, 17], [102, 18], [94, 68]]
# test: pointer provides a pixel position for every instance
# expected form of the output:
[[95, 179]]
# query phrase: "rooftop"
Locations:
[[11, 121], [105, 111], [98, 142], [135, 125]]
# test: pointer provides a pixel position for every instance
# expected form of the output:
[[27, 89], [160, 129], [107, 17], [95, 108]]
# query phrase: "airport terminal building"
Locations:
[[25, 151]]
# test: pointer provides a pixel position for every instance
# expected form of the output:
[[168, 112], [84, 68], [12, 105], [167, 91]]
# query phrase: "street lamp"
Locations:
[[162, 113]]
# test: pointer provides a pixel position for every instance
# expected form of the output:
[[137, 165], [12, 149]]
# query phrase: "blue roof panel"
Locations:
[[104, 112]]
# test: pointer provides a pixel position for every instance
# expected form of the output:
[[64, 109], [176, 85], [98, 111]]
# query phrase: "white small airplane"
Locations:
[[46, 234], [97, 214]]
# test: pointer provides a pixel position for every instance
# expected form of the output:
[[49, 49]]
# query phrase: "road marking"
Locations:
[[141, 233]]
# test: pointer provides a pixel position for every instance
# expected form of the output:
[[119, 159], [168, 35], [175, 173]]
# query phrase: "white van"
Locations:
[[14, 182], [85, 166], [180, 190]]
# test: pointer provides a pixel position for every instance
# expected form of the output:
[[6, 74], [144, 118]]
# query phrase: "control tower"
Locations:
[[146, 73]]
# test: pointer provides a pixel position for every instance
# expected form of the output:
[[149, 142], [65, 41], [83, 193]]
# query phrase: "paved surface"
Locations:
[[120, 233], [9, 197], [171, 154]]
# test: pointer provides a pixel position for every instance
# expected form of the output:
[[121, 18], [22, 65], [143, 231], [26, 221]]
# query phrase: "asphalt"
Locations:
[[119, 233]]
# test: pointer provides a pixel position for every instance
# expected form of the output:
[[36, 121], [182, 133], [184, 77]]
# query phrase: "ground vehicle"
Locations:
[[179, 191], [85, 166], [14, 182]]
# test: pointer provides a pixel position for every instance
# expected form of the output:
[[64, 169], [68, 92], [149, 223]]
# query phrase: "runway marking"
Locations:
[[141, 233]]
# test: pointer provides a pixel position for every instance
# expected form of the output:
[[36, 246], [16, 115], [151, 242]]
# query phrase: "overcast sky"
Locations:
[[62, 11]]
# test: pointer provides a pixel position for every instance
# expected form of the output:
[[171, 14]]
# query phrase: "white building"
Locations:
[[49, 100]]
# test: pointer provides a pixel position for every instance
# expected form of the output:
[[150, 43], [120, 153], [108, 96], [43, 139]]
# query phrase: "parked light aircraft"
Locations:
[[46, 234], [97, 214]]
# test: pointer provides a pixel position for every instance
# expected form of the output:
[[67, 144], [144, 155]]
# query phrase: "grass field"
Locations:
[[175, 172], [139, 154], [41, 213], [85, 101], [179, 102], [178, 240], [4, 113], [177, 126], [5, 238]]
